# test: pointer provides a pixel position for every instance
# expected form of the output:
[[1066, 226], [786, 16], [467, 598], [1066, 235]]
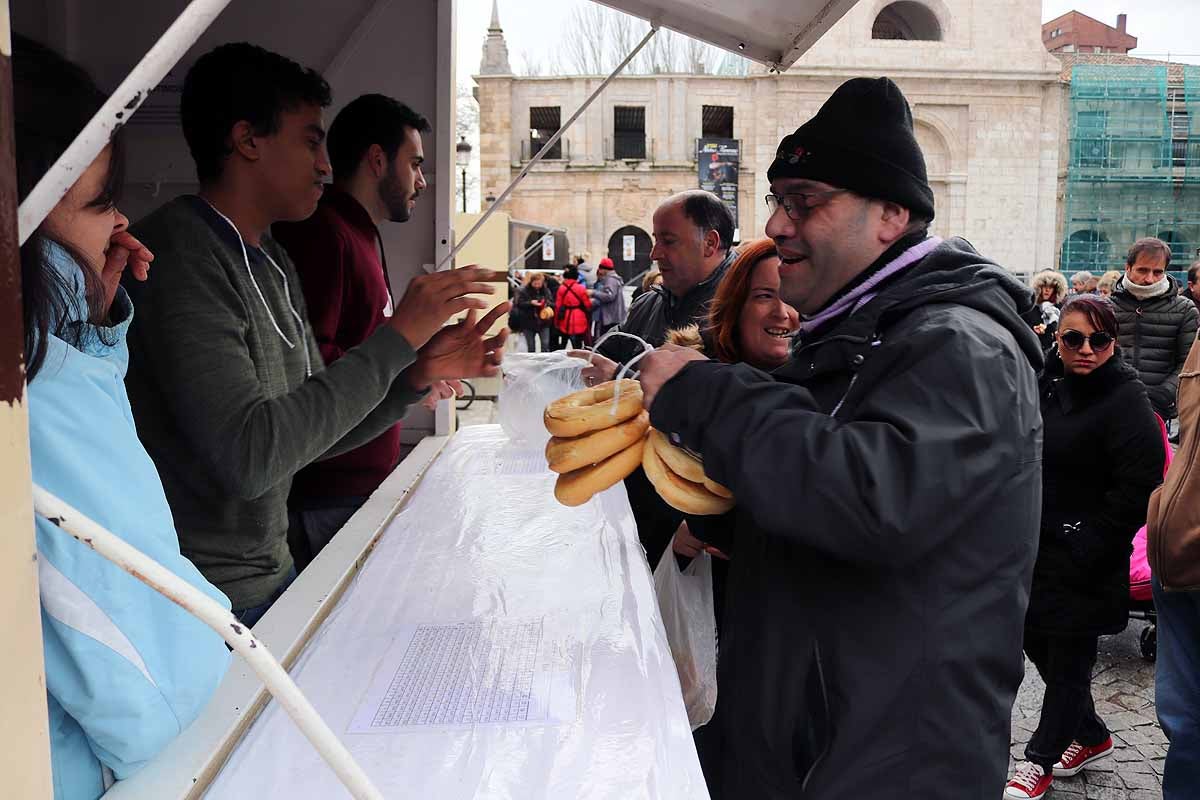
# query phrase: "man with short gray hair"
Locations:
[[693, 236], [1156, 327]]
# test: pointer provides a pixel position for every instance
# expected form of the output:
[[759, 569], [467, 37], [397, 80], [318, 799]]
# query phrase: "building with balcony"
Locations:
[[985, 96], [1131, 156]]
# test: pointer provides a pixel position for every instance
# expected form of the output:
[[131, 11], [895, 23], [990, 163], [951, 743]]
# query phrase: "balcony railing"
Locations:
[[560, 152]]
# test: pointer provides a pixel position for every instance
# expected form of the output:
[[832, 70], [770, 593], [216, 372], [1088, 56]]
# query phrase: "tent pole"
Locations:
[[207, 610], [116, 111], [546, 148]]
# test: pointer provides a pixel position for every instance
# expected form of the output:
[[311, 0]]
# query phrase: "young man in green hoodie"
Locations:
[[229, 391]]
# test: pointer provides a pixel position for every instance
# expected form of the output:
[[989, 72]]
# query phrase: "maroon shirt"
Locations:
[[337, 253]]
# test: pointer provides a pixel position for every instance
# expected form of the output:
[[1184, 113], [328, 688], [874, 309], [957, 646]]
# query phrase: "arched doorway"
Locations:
[[641, 251], [1086, 250], [534, 260], [908, 21]]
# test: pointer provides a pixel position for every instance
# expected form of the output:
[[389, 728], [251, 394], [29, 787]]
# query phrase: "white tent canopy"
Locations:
[[771, 32]]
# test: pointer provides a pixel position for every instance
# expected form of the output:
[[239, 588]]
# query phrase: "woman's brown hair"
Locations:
[[731, 297]]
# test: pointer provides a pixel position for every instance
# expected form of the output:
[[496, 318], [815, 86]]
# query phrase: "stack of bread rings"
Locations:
[[679, 479], [596, 442]]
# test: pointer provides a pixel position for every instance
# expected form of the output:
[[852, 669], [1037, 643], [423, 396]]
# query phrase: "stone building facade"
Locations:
[[986, 101]]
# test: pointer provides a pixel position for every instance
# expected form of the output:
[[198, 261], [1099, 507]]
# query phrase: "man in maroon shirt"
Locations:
[[375, 150]]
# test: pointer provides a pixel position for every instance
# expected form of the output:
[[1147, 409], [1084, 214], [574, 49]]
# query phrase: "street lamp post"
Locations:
[[462, 155]]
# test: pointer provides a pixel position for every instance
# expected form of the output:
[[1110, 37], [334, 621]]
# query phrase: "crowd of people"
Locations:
[[573, 308], [239, 417], [939, 471]]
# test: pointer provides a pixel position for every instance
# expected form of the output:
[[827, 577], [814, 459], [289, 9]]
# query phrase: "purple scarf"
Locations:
[[865, 292]]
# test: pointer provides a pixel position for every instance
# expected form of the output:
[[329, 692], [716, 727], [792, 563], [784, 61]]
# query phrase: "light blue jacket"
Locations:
[[126, 668]]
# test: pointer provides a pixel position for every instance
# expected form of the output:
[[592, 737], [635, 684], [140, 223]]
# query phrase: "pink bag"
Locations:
[[1139, 562]]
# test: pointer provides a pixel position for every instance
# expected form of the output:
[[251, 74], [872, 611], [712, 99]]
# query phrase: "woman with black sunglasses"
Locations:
[[1102, 456]]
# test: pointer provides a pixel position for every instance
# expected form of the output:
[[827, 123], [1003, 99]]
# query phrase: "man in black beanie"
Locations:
[[888, 484]]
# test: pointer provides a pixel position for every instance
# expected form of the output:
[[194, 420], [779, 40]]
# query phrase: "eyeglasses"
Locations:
[[1073, 340], [797, 204]]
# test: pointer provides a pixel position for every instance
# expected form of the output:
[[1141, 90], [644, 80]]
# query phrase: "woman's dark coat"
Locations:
[[1102, 456]]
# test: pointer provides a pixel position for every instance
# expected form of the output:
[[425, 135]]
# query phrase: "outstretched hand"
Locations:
[[462, 350], [660, 365], [599, 370], [432, 299], [441, 390]]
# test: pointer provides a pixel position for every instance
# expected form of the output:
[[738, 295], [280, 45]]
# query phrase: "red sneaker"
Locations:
[[1076, 757], [1029, 783]]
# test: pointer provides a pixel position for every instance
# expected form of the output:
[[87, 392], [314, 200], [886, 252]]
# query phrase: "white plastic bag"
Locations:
[[531, 382], [685, 599]]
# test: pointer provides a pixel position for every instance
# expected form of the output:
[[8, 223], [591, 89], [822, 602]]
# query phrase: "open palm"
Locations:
[[464, 350]]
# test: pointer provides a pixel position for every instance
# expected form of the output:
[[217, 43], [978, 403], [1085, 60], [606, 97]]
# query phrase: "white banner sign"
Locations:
[[548, 248], [628, 248]]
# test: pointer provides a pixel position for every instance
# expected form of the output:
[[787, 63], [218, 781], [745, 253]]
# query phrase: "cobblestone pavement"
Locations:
[[1123, 687]]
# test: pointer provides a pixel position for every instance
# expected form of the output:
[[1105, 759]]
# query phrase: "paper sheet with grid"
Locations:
[[483, 672]]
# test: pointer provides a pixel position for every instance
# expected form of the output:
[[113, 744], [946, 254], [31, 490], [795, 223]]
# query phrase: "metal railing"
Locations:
[[561, 151]]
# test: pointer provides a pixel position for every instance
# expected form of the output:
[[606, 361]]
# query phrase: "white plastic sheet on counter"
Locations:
[[482, 539]]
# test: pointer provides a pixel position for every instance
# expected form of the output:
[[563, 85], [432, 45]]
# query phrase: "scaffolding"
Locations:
[[1133, 168]]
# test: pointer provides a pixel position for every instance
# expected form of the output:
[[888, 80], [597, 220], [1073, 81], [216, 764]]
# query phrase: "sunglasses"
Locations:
[[1073, 340]]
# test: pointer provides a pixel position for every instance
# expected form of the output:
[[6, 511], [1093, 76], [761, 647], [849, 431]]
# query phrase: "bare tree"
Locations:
[[587, 33], [597, 38], [532, 65]]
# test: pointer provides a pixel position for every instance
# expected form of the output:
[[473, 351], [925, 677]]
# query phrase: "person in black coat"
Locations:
[[531, 300], [888, 484], [1157, 326], [1102, 456]]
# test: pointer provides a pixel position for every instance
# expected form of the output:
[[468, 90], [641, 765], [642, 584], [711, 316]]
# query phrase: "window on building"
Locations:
[[717, 122], [907, 20], [1180, 130], [1178, 245], [544, 122], [1086, 250], [1091, 140], [629, 132]]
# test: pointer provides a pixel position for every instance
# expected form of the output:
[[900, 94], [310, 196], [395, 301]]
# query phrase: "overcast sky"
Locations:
[[1162, 26]]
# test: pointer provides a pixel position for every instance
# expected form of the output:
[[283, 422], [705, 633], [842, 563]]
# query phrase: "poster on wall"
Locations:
[[717, 161], [628, 248], [547, 248]]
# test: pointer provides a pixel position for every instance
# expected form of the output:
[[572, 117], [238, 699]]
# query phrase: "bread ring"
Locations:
[[567, 455], [716, 488], [680, 494], [682, 463], [576, 488], [685, 465], [592, 409]]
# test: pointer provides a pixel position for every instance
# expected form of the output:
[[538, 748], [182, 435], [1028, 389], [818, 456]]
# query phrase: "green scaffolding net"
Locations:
[[1133, 168]]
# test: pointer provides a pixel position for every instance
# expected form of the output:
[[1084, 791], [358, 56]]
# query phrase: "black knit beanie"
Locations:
[[861, 140]]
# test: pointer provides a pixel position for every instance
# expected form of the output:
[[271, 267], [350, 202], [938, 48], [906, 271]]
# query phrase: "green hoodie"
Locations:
[[223, 403]]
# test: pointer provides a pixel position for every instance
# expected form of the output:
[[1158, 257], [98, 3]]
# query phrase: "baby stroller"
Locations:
[[1141, 597]]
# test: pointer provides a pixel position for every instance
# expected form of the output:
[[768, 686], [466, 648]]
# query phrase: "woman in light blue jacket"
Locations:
[[126, 669]]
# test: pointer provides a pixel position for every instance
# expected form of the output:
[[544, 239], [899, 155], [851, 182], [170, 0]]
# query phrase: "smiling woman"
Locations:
[[749, 322]]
